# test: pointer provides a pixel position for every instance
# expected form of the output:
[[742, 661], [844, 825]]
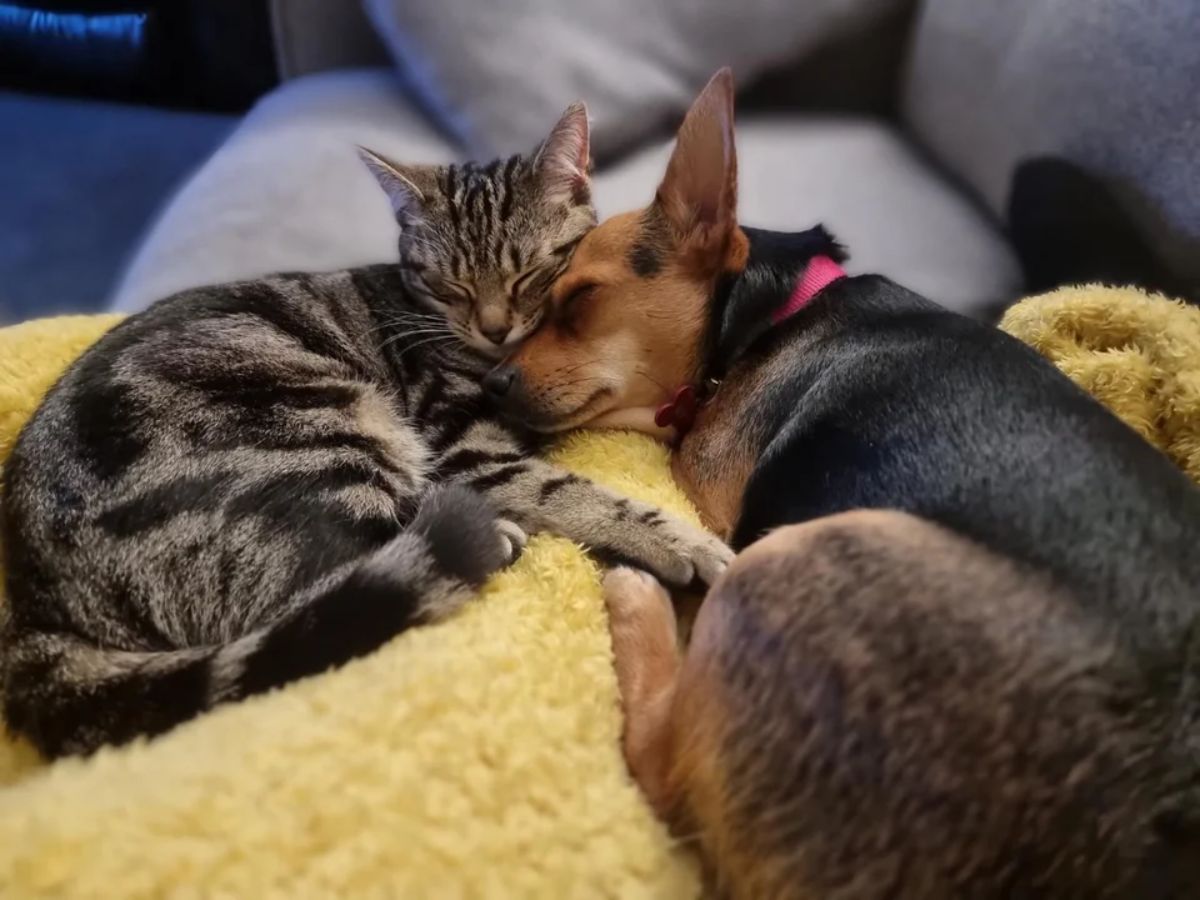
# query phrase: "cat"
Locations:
[[250, 483]]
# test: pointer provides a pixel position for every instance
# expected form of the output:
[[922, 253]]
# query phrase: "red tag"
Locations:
[[679, 411]]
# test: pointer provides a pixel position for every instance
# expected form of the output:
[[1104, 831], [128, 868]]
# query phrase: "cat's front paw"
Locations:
[[681, 554]]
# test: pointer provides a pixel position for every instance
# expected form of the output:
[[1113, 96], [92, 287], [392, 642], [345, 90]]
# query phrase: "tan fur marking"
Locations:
[[716, 459], [698, 785], [646, 658]]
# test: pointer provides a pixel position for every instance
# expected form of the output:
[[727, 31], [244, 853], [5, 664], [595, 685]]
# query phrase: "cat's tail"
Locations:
[[69, 696]]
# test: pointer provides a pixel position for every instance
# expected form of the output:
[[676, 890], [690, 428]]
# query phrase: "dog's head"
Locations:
[[629, 316]]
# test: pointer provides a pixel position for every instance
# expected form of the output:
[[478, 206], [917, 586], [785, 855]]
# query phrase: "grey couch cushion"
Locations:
[[895, 215], [1112, 85], [287, 192], [498, 72]]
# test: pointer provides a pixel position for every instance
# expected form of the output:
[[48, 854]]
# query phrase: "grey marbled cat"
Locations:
[[250, 483]]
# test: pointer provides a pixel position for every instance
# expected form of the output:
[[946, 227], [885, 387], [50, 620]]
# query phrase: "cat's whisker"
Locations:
[[415, 314], [442, 339], [441, 336], [416, 327], [418, 332], [406, 318]]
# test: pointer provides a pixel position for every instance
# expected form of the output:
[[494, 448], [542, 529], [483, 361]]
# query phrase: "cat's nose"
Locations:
[[499, 381], [497, 334]]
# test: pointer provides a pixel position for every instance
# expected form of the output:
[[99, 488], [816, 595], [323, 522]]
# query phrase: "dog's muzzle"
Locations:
[[498, 383], [505, 389]]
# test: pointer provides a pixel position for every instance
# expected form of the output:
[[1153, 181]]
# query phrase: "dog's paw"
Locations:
[[640, 612], [627, 591]]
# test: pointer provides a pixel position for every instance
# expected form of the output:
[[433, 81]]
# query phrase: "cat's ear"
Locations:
[[698, 193], [407, 187], [563, 162]]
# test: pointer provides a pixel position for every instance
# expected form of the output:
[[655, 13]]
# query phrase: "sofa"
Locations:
[[906, 127]]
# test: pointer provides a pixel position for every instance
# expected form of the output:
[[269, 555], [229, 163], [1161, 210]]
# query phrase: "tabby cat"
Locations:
[[251, 483]]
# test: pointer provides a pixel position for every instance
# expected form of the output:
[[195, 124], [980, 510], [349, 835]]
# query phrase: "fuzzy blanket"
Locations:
[[1137, 353], [478, 758]]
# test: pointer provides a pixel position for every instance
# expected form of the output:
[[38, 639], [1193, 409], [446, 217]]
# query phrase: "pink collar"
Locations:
[[681, 410], [820, 272]]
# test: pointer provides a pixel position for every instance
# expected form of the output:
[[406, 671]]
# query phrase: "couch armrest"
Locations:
[[314, 35]]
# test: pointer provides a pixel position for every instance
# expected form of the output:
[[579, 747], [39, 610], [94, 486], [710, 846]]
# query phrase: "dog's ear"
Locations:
[[698, 195], [563, 161]]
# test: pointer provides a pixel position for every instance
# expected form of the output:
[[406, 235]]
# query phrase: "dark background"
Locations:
[[190, 54], [104, 107]]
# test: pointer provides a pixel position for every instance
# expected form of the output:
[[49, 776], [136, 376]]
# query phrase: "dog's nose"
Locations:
[[499, 381], [497, 334]]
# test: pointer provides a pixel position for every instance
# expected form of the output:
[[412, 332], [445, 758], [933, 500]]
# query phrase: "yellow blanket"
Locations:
[[478, 758], [1137, 353]]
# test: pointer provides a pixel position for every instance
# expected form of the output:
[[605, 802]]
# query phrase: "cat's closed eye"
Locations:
[[521, 282], [458, 290]]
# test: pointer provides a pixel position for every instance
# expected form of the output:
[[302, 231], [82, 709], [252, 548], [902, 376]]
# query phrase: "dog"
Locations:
[[957, 654]]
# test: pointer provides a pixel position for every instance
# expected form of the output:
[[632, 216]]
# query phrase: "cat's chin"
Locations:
[[488, 350]]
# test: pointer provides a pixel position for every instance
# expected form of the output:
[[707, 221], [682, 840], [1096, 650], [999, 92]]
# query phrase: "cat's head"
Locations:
[[481, 244]]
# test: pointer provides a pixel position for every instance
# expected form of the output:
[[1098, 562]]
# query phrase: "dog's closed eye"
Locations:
[[571, 307]]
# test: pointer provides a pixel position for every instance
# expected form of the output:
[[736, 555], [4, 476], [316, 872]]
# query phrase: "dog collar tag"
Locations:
[[679, 411]]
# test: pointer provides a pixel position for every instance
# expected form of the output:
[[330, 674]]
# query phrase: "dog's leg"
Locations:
[[646, 657], [860, 686]]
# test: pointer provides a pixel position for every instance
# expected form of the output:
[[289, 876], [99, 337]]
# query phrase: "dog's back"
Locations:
[[905, 406], [989, 684]]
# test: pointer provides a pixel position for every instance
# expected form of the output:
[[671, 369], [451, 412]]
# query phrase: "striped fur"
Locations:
[[480, 245], [254, 482]]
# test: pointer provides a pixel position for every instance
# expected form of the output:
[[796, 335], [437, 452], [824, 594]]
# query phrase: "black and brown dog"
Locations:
[[958, 655]]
